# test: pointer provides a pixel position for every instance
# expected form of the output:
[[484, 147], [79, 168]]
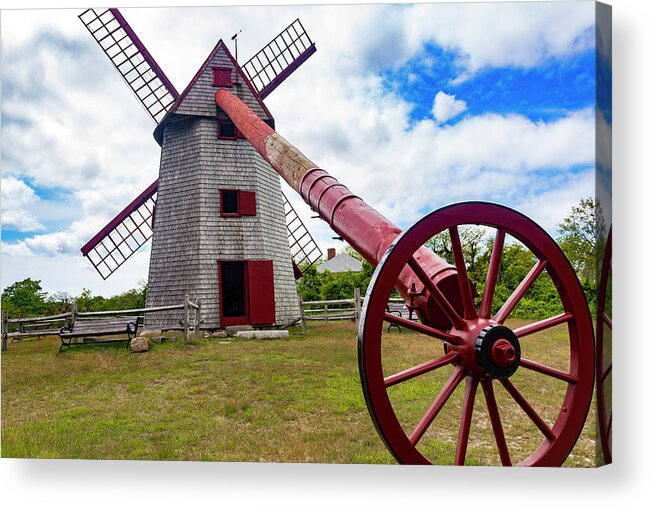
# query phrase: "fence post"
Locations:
[[5, 329], [73, 317], [303, 321], [326, 313], [358, 305], [197, 320], [186, 318]]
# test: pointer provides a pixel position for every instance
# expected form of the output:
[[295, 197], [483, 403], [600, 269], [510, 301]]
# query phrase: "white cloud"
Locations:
[[447, 106], [16, 193], [20, 220], [16, 197]]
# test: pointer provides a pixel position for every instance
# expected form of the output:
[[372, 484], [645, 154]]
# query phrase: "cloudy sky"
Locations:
[[411, 106]]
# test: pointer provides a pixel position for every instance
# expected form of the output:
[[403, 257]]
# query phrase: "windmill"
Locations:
[[221, 227]]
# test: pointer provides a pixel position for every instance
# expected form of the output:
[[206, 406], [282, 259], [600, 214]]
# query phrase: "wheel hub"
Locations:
[[497, 351]]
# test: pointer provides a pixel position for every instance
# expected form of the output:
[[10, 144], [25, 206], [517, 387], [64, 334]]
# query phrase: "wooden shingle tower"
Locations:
[[222, 229]]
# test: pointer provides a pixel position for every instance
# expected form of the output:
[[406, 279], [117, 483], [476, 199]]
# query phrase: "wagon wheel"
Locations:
[[479, 347], [604, 362]]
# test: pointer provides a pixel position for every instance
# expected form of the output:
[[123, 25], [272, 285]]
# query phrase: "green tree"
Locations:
[[59, 302], [578, 235], [309, 285], [25, 298]]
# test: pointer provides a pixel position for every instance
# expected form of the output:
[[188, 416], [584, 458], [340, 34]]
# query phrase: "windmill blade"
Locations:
[[124, 235], [277, 60], [302, 246], [132, 60]]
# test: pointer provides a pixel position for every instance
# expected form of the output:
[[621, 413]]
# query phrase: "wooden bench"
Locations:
[[86, 329], [396, 309]]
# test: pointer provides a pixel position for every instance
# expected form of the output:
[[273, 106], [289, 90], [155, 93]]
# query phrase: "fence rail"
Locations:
[[30, 327], [338, 309], [327, 310]]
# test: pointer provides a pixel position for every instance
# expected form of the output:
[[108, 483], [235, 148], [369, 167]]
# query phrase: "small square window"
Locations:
[[227, 130], [236, 203], [221, 76], [230, 202]]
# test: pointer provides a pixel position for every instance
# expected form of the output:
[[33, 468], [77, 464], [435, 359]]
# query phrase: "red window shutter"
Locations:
[[221, 76], [247, 203], [262, 302]]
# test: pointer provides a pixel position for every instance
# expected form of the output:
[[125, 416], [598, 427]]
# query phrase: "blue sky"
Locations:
[[438, 103], [542, 93]]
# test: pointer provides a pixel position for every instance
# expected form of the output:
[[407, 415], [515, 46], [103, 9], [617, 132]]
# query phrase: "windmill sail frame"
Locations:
[[274, 63], [130, 57], [124, 235]]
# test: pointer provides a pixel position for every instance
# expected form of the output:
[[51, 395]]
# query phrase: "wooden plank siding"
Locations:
[[190, 236]]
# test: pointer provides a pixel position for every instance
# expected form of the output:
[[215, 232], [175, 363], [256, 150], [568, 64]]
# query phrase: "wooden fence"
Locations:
[[339, 309], [51, 324]]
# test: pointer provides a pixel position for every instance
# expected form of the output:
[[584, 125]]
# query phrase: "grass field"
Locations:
[[292, 400]]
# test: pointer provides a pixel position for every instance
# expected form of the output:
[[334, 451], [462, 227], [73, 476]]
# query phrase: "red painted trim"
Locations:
[[220, 78], [287, 71], [146, 55], [255, 130], [106, 230], [234, 321], [247, 202]]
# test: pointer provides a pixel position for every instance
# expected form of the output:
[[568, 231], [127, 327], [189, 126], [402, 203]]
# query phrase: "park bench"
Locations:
[[84, 331], [396, 309], [31, 329]]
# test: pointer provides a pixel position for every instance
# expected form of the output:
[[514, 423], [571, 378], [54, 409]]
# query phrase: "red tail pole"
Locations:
[[366, 230]]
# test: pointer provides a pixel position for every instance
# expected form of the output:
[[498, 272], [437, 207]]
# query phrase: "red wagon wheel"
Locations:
[[604, 362], [478, 346]]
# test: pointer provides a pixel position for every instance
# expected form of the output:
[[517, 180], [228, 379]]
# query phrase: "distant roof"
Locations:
[[340, 263]]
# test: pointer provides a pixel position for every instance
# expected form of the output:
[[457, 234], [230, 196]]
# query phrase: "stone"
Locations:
[[150, 332], [267, 334], [159, 339], [233, 330], [140, 344], [216, 334]]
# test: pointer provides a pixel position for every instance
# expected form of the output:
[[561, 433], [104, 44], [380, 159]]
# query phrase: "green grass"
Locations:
[[293, 400]]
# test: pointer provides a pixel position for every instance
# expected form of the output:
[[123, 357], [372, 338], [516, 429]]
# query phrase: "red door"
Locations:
[[246, 293], [262, 303]]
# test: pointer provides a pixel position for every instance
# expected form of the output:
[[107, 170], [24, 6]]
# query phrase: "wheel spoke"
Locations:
[[541, 325], [420, 369], [422, 328], [469, 311], [496, 423], [528, 409], [466, 419], [438, 296], [437, 405], [608, 321], [548, 370], [520, 292], [607, 371], [491, 276]]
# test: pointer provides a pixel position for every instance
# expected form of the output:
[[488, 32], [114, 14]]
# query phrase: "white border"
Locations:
[[627, 482]]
